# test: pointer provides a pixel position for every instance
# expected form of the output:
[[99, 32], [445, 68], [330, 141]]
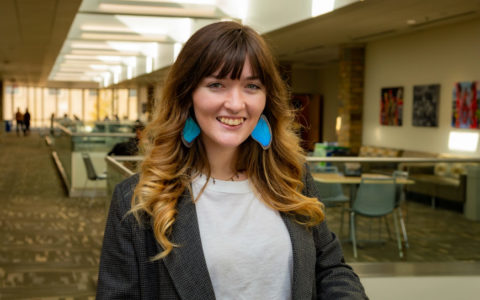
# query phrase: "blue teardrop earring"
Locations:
[[190, 132], [262, 133]]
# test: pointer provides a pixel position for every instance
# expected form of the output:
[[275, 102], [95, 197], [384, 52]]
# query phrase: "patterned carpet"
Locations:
[[50, 244], [435, 235]]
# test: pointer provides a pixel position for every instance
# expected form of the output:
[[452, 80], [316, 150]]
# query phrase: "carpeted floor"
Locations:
[[50, 244]]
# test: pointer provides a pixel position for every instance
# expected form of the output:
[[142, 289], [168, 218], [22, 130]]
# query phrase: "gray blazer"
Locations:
[[126, 271]]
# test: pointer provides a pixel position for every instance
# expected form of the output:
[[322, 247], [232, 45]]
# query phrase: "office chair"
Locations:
[[91, 173], [331, 194], [375, 199]]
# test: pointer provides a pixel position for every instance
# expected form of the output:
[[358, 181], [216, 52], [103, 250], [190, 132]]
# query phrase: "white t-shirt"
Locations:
[[246, 244]]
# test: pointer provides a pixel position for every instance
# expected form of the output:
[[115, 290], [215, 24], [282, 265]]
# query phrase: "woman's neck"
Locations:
[[222, 163]]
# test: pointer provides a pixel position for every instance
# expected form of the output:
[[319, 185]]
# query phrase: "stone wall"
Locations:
[[350, 96]]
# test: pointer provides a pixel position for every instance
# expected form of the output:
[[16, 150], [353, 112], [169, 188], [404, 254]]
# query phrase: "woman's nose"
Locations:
[[235, 100]]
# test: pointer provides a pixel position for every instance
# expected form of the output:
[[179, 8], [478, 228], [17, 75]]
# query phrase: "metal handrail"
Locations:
[[390, 159], [93, 134], [115, 162]]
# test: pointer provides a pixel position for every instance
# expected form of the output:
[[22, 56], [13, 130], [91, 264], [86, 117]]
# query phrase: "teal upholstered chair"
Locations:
[[375, 198], [331, 194]]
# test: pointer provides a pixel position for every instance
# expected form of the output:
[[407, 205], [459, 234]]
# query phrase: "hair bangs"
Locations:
[[227, 58]]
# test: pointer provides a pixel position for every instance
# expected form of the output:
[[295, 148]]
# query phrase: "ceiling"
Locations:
[[31, 36], [313, 42], [105, 42]]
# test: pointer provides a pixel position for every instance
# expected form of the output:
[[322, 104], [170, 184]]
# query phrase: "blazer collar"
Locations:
[[303, 259], [186, 263], [188, 269]]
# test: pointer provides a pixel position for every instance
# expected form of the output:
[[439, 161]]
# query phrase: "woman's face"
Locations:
[[227, 110]]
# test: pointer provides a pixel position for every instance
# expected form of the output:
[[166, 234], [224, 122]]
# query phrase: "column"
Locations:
[[352, 65], [2, 123]]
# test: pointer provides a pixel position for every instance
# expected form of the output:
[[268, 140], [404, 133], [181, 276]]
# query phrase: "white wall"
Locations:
[[328, 80], [443, 55]]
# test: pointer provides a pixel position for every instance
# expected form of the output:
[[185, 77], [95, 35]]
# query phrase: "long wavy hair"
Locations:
[[169, 166]]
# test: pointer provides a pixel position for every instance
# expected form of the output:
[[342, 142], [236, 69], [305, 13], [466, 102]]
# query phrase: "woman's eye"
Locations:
[[215, 85], [253, 86]]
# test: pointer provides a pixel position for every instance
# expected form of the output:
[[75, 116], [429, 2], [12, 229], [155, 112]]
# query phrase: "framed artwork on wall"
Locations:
[[465, 108], [426, 99], [391, 106]]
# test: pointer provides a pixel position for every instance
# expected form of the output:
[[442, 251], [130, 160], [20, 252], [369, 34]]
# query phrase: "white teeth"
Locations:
[[231, 122]]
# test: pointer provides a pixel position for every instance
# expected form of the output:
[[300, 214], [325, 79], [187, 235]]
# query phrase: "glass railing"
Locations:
[[71, 139]]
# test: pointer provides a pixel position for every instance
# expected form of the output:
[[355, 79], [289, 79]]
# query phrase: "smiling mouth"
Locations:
[[231, 121]]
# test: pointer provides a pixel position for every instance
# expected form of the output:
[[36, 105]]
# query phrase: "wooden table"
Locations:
[[340, 178]]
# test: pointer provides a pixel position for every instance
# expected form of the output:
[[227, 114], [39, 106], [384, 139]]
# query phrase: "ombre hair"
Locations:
[[169, 166]]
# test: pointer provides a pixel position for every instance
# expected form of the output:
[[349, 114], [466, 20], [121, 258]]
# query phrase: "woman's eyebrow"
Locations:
[[215, 76]]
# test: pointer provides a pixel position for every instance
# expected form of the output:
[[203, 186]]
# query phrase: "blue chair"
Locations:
[[375, 198], [399, 200], [331, 194]]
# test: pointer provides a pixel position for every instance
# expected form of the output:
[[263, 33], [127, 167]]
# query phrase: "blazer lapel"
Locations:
[[303, 259], [186, 263]]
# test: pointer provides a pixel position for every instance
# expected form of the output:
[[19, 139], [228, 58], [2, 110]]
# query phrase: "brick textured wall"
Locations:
[[352, 65]]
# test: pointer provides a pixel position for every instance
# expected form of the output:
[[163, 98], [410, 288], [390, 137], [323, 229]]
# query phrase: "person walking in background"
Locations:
[[52, 121], [26, 123], [19, 121], [224, 206]]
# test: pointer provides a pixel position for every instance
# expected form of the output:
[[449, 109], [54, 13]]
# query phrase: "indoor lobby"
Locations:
[[376, 85]]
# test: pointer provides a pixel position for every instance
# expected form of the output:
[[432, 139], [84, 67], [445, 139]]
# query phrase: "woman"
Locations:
[[224, 206]]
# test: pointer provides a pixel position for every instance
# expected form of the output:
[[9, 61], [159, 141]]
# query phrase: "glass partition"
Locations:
[[72, 138]]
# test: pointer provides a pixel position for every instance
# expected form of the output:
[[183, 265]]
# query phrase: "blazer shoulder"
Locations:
[[127, 186], [123, 193]]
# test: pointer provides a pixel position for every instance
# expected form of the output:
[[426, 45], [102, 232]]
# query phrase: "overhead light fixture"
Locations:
[[110, 58], [124, 37], [177, 29], [71, 72], [73, 62], [104, 52], [98, 67], [105, 28], [89, 45], [463, 141], [198, 11], [79, 57]]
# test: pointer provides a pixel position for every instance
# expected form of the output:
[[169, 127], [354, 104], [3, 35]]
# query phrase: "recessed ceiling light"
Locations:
[[124, 37], [158, 10], [105, 28], [411, 22]]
